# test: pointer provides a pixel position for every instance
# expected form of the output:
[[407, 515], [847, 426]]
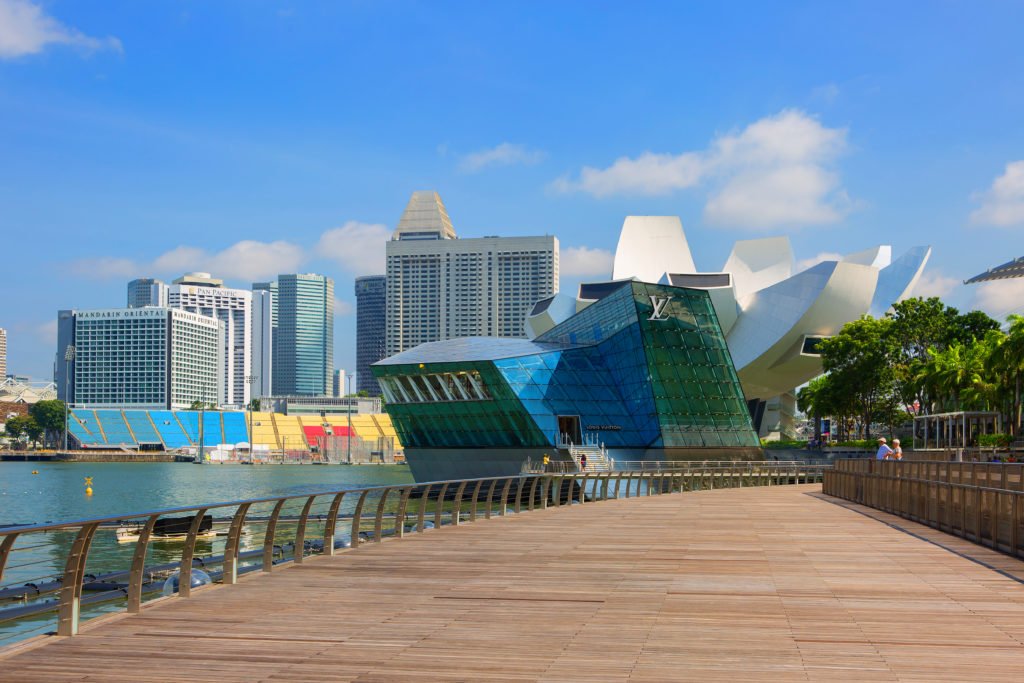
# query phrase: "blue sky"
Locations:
[[250, 138]]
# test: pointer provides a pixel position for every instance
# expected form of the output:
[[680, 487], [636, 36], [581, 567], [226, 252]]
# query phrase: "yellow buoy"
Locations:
[[35, 471], [88, 486]]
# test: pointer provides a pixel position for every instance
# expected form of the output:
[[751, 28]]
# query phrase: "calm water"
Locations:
[[57, 493]]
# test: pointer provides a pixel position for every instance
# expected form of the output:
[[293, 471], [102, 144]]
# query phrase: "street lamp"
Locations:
[[251, 380], [69, 357]]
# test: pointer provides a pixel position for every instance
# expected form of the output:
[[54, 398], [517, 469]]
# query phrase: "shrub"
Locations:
[[994, 440]]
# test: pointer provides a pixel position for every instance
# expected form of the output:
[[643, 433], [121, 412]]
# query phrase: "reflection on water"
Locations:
[[57, 493]]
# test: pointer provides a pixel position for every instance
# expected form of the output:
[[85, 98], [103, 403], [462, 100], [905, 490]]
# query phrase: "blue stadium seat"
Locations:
[[114, 427], [211, 426], [143, 429], [235, 428], [212, 433], [170, 431], [82, 425]]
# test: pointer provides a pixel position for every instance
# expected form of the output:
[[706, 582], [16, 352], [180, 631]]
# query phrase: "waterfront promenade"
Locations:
[[767, 583]]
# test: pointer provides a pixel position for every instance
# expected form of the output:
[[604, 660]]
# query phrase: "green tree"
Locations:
[[49, 415], [858, 363], [1006, 360], [15, 427], [917, 326], [33, 430], [19, 426]]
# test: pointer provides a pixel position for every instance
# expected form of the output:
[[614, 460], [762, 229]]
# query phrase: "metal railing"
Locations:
[[262, 534], [980, 502]]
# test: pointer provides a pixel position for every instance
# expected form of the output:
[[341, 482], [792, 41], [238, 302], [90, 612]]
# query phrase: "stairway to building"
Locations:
[[597, 457]]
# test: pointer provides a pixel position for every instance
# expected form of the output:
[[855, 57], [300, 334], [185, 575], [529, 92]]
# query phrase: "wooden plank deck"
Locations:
[[775, 584]]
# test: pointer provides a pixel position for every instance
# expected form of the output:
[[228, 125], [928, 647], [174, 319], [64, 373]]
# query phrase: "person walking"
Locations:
[[583, 462], [883, 450], [897, 452]]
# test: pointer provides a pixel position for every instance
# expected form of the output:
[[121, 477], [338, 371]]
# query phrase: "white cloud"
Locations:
[[356, 247], [777, 171], [934, 283], [247, 260], [106, 268], [584, 262], [342, 308], [648, 174], [1000, 297], [505, 154], [1003, 203], [804, 264], [26, 30]]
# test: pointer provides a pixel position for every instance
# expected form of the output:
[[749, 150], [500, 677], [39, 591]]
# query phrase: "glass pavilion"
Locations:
[[644, 370]]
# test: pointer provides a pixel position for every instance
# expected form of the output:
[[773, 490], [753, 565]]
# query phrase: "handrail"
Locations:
[[989, 514], [500, 497]]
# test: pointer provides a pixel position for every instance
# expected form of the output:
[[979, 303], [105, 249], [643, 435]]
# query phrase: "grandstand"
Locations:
[[179, 429]]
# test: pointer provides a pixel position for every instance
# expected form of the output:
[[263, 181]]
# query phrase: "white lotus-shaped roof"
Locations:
[[770, 315]]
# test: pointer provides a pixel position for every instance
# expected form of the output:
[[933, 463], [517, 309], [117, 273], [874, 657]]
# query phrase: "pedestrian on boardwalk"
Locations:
[[883, 450], [897, 452], [583, 462]]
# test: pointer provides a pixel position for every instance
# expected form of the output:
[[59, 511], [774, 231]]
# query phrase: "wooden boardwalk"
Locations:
[[774, 584]]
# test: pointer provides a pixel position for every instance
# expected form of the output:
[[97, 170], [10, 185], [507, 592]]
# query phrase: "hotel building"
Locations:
[[152, 357], [441, 287]]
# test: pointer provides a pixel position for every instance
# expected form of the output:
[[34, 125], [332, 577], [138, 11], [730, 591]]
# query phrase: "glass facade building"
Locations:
[[371, 309], [644, 370], [304, 336]]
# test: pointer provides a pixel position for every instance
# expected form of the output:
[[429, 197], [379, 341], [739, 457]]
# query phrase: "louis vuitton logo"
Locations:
[[660, 304]]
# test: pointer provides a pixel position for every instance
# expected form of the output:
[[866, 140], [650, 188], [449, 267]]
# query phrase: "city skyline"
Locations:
[[287, 150]]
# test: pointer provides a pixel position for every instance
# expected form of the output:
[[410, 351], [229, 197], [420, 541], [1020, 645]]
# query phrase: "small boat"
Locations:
[[167, 529]]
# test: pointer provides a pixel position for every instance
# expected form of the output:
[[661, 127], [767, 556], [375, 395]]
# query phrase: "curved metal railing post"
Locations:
[[490, 497], [357, 520], [629, 482], [583, 488], [557, 492], [268, 537], [504, 497], [185, 568], [139, 566], [533, 489], [232, 544], [545, 485], [400, 515], [569, 495], [378, 521], [439, 510], [332, 523], [424, 497], [71, 585], [457, 504], [520, 482], [5, 551], [300, 532], [618, 482], [476, 496]]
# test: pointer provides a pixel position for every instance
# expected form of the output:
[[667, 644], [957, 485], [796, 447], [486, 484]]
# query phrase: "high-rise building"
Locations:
[[262, 342], [146, 291], [262, 292], [200, 293], [339, 384], [3, 354], [371, 329], [153, 357], [304, 341], [441, 287]]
